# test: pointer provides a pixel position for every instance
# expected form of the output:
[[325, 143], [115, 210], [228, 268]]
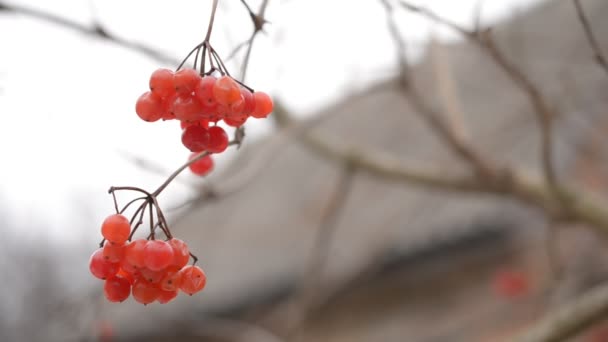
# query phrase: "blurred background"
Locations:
[[298, 244]]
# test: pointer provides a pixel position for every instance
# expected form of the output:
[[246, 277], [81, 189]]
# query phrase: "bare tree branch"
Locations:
[[599, 56]]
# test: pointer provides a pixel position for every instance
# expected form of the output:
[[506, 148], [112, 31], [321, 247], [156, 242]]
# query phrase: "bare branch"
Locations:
[[571, 318], [599, 56]]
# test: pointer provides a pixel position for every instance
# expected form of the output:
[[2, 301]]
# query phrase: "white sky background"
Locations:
[[67, 99]]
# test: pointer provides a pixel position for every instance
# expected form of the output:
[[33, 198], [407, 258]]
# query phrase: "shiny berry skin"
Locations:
[[263, 105], [144, 293], [116, 228], [172, 279], [185, 81], [226, 91], [181, 252], [204, 91], [195, 138], [113, 252], [151, 276], [218, 139], [236, 121], [165, 297], [187, 108], [202, 122], [149, 107], [116, 289], [130, 277], [100, 267], [249, 101], [158, 255], [161, 83], [202, 166], [134, 253], [193, 279]]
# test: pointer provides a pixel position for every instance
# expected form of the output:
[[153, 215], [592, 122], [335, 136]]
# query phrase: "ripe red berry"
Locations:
[[185, 81], [236, 121], [202, 166], [218, 139], [187, 108], [113, 252], [158, 255], [161, 83], [202, 122], [263, 105], [116, 289], [151, 276], [144, 293], [204, 91], [249, 101], [100, 267], [116, 228], [193, 279], [165, 297], [172, 279], [195, 138], [134, 253], [149, 107], [130, 277], [226, 91], [181, 252]]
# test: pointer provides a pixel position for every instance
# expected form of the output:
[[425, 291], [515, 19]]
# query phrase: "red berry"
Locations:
[[218, 139], [202, 166], [204, 91], [201, 122], [193, 279], [149, 107], [181, 252], [172, 279], [144, 293], [236, 121], [116, 289], [158, 255], [187, 108], [116, 228], [161, 83], [165, 297], [151, 276], [263, 105], [134, 253], [130, 277], [126, 265], [113, 252], [195, 138], [185, 81], [249, 101], [226, 91], [100, 267]]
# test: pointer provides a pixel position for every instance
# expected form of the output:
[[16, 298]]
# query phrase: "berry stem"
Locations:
[[211, 19]]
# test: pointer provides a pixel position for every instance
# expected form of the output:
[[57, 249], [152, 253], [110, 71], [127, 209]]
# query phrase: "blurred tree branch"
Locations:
[[600, 58]]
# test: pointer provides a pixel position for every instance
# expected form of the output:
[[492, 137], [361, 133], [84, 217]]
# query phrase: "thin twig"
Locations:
[[211, 20], [599, 56]]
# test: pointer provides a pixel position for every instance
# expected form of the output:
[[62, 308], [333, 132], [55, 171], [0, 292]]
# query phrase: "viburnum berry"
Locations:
[[100, 267], [263, 105], [172, 279], [161, 83], [144, 293], [218, 139], [181, 252], [226, 91], [248, 100], [204, 91], [165, 297], [134, 253], [116, 228], [236, 121], [201, 122], [202, 166], [185, 81], [195, 138], [130, 277], [113, 252], [126, 266], [149, 107], [151, 276], [116, 289], [158, 255], [193, 279], [187, 108]]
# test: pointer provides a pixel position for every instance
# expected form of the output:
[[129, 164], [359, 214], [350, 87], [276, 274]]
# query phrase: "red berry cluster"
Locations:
[[150, 270], [196, 101]]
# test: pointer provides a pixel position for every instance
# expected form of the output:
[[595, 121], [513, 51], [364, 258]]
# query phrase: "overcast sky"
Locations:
[[67, 99]]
